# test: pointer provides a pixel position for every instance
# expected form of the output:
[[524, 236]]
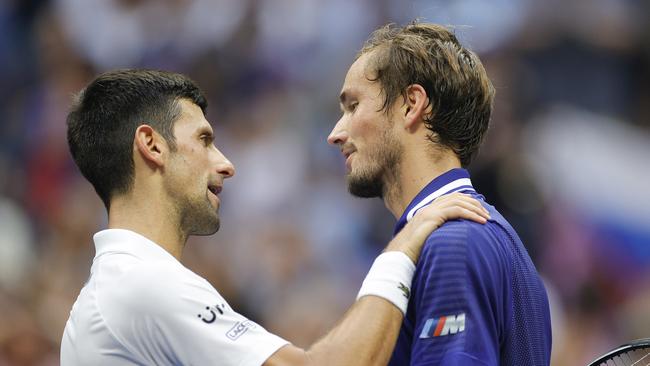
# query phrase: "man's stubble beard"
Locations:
[[379, 177], [198, 216], [195, 212]]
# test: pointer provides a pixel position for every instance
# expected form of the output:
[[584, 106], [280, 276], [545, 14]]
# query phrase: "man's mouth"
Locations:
[[348, 161], [348, 151], [215, 189]]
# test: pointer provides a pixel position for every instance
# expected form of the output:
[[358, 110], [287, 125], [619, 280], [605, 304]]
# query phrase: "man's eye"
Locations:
[[207, 140], [353, 106]]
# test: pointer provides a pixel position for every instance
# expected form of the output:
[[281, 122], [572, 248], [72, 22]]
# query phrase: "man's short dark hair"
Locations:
[[459, 90], [105, 115]]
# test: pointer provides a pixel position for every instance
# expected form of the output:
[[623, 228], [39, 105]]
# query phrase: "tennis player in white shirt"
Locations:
[[141, 139]]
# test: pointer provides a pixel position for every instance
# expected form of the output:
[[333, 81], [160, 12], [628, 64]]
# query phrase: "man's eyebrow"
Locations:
[[205, 130], [343, 97]]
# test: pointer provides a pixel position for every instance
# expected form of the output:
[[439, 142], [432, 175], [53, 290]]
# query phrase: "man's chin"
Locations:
[[206, 232], [214, 227], [365, 187], [206, 227]]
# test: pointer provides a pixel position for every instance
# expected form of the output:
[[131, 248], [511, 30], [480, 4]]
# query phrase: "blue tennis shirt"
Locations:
[[477, 298]]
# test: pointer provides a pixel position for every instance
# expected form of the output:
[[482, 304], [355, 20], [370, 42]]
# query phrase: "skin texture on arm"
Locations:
[[367, 333]]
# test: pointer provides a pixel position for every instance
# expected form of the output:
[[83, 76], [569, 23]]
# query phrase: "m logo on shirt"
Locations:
[[445, 325]]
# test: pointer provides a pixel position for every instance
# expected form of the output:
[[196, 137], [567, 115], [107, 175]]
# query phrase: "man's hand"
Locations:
[[448, 207]]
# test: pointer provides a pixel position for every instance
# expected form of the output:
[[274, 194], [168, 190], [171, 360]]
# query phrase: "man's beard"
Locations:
[[198, 216], [373, 180]]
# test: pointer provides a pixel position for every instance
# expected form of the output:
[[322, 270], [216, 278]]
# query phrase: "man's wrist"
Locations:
[[390, 278], [397, 245]]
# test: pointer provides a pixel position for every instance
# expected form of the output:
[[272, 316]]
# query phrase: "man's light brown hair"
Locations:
[[459, 90]]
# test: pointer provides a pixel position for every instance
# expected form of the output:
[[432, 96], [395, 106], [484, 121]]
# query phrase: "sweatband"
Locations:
[[390, 278]]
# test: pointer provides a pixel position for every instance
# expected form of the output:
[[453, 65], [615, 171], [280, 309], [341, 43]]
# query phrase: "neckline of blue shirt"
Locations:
[[454, 180]]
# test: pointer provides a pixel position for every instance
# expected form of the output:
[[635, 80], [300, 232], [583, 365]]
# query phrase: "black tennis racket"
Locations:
[[636, 353]]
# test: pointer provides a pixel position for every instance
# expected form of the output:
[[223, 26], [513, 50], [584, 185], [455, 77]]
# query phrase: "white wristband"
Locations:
[[390, 278]]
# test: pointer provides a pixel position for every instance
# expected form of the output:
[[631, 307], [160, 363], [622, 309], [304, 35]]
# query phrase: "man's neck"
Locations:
[[415, 172], [147, 218]]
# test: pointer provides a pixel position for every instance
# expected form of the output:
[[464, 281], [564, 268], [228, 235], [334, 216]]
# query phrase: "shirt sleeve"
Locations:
[[459, 296], [167, 319]]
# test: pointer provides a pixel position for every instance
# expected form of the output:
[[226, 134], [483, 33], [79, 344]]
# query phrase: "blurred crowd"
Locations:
[[566, 159]]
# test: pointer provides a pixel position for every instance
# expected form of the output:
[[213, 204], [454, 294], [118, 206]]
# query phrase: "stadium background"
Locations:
[[566, 159]]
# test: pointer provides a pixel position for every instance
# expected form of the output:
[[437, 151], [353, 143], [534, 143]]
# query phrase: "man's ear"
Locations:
[[150, 145], [416, 106]]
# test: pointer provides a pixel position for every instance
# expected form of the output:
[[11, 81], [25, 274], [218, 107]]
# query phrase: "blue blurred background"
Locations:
[[566, 159]]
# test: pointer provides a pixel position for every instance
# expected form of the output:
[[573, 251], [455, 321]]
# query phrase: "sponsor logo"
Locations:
[[445, 325], [239, 328], [405, 290], [210, 313]]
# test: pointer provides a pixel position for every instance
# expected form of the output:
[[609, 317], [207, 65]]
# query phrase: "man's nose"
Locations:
[[338, 135], [224, 166]]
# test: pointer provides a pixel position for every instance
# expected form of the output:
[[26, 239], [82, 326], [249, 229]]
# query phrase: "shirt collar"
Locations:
[[454, 180], [127, 241]]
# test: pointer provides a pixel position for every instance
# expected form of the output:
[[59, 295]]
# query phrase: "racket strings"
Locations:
[[636, 353], [638, 356]]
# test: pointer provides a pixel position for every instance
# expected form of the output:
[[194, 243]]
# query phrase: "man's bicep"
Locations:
[[227, 337], [185, 321], [206, 330]]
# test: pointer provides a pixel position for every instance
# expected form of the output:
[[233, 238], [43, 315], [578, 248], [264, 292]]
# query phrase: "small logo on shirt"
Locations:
[[239, 328], [211, 316], [445, 325]]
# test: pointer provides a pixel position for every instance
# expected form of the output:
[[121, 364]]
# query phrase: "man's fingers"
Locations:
[[453, 201], [465, 208], [458, 212], [472, 205], [431, 217], [454, 197]]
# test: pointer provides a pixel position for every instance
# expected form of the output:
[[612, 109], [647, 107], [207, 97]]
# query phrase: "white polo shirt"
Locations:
[[143, 307]]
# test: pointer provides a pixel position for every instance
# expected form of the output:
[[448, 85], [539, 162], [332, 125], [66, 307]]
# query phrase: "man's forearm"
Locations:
[[365, 336]]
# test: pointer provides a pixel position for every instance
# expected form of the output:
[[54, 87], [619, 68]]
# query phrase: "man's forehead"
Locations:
[[189, 108], [359, 72], [192, 115], [359, 78], [359, 69]]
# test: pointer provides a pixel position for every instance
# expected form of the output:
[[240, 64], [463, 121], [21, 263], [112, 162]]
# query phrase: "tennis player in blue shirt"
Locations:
[[416, 105]]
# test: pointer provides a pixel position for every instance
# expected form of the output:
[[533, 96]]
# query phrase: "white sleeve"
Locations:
[[170, 319]]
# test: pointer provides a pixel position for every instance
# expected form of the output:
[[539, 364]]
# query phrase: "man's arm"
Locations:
[[368, 331]]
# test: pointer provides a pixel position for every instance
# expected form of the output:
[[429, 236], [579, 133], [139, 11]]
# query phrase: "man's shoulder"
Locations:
[[467, 233], [146, 287], [472, 243]]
